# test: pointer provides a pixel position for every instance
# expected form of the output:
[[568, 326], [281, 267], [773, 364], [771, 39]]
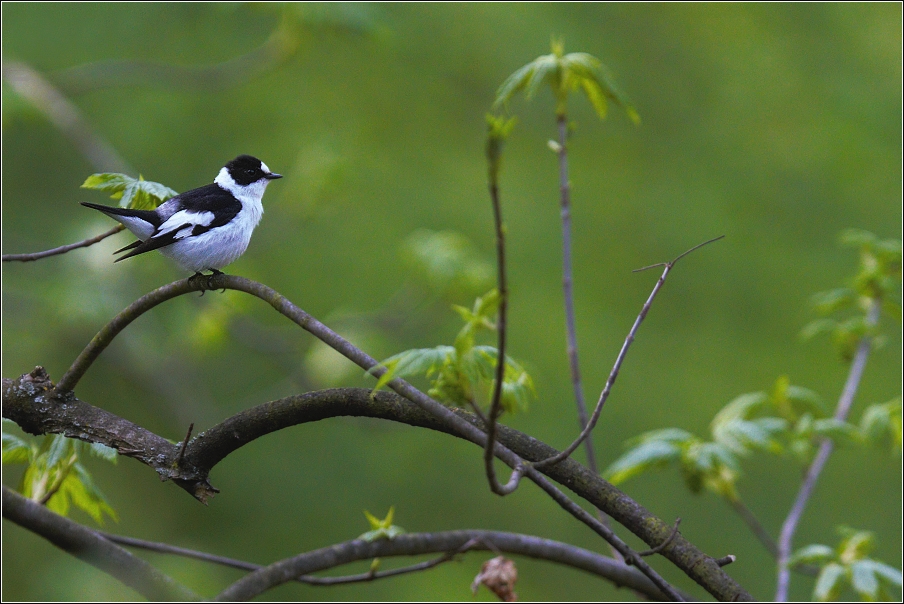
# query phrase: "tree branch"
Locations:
[[62, 249], [29, 403], [496, 403], [286, 570], [425, 543], [89, 546], [701, 568], [789, 526], [588, 428], [64, 115]]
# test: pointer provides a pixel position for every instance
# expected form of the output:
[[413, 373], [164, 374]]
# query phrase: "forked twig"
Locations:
[[621, 357]]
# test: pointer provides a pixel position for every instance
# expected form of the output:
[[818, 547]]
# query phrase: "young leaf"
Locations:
[[864, 581], [649, 455], [131, 193], [829, 582], [16, 450], [812, 554]]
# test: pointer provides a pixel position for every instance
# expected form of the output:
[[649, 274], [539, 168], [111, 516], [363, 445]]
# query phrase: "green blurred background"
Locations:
[[776, 125]]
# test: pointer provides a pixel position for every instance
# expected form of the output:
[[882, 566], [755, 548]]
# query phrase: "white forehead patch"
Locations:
[[265, 168]]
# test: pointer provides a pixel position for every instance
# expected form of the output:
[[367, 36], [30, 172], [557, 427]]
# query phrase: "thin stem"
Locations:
[[567, 285], [754, 525], [789, 527], [619, 360], [62, 249], [496, 404], [64, 115], [88, 545]]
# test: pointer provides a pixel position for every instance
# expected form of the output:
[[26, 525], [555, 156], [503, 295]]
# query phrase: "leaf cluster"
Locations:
[[55, 476], [848, 565], [786, 419], [564, 74], [877, 281], [463, 374], [137, 194]]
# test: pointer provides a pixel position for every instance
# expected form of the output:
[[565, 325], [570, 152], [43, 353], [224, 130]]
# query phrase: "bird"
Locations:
[[203, 229]]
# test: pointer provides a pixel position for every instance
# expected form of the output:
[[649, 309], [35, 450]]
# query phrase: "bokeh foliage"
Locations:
[[777, 125]]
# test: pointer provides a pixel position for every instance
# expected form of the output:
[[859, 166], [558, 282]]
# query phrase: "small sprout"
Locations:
[[381, 529]]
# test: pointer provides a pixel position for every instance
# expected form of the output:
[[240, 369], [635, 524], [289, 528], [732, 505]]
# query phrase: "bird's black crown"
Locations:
[[246, 169]]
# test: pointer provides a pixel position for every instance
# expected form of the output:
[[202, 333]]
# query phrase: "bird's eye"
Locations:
[[250, 171]]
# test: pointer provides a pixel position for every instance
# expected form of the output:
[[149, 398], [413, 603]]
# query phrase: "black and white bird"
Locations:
[[205, 228]]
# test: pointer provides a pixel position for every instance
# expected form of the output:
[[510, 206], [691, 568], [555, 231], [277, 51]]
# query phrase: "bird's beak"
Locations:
[[272, 176]]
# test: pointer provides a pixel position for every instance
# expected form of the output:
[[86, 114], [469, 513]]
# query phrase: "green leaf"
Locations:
[[381, 529], [650, 455], [131, 193], [881, 424], [829, 582], [670, 435], [812, 554], [16, 450], [855, 545], [864, 581], [837, 430], [59, 449], [741, 407], [825, 303], [104, 452], [857, 238], [886, 573]]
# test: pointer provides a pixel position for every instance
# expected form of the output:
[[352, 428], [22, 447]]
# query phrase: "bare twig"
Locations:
[[86, 544], [279, 47], [496, 404], [754, 524], [64, 115], [789, 526], [620, 359], [568, 285], [185, 444], [726, 560], [62, 249], [662, 546]]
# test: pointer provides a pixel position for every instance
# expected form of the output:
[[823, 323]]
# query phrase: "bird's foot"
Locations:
[[208, 280]]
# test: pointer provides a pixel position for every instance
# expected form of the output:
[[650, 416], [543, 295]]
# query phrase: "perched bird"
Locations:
[[205, 228]]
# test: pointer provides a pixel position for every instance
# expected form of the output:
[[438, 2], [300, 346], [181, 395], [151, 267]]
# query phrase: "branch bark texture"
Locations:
[[88, 545]]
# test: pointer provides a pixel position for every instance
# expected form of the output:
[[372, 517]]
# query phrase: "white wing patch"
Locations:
[[184, 218]]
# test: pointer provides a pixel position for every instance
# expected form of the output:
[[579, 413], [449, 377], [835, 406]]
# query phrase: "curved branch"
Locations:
[[501, 325], [30, 403], [258, 582], [450, 543], [88, 545], [456, 425], [63, 248], [699, 566]]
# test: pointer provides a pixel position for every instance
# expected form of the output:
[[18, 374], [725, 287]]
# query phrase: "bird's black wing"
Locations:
[[200, 210]]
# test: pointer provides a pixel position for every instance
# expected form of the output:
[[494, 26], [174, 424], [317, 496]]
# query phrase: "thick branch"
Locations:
[[339, 344], [88, 545], [213, 445]]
